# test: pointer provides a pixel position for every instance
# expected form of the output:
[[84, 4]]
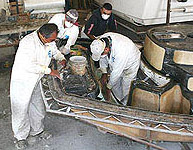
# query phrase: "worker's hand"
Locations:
[[64, 50], [63, 63], [73, 53], [108, 94], [55, 73], [92, 37], [104, 79], [57, 39]]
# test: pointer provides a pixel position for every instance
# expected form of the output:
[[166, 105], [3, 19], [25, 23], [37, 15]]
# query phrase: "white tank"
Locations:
[[39, 6], [1, 4], [49, 6], [149, 12]]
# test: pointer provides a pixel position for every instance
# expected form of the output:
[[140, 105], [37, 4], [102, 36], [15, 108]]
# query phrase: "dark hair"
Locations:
[[47, 29], [107, 6], [107, 40]]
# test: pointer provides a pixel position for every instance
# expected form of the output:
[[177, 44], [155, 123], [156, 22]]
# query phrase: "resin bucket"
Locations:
[[78, 65]]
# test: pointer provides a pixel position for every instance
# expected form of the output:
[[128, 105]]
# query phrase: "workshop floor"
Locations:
[[68, 133]]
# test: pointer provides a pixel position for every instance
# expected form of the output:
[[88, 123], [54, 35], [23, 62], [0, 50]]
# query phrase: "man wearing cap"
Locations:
[[101, 20], [120, 57], [68, 30]]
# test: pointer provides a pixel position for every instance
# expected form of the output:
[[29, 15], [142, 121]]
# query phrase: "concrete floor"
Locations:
[[68, 133]]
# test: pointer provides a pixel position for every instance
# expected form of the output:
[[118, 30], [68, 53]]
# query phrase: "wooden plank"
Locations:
[[18, 27], [154, 53], [145, 99], [9, 45], [173, 101], [15, 3], [140, 133]]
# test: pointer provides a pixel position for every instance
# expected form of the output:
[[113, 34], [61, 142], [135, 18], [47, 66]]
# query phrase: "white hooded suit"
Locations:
[[123, 64], [71, 33], [31, 63]]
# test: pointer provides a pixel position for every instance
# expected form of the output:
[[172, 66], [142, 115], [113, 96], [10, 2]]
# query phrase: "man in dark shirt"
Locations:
[[101, 20]]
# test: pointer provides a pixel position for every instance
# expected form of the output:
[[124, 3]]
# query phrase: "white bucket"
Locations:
[[78, 65]]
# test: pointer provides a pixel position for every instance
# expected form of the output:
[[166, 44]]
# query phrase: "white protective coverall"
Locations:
[[70, 33], [31, 63], [123, 64]]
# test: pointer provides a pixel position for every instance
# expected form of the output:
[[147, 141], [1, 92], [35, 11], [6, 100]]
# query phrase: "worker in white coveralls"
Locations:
[[31, 63], [122, 57], [68, 29]]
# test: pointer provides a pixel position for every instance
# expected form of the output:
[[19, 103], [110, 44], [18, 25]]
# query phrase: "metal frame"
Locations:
[[175, 127]]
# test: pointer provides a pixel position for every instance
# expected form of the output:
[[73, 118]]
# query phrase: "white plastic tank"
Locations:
[[48, 6], [149, 12], [1, 4]]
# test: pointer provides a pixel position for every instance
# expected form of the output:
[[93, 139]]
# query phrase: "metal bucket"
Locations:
[[78, 65]]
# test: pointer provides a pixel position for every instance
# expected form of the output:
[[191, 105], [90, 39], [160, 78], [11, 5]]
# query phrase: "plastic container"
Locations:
[[78, 65]]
